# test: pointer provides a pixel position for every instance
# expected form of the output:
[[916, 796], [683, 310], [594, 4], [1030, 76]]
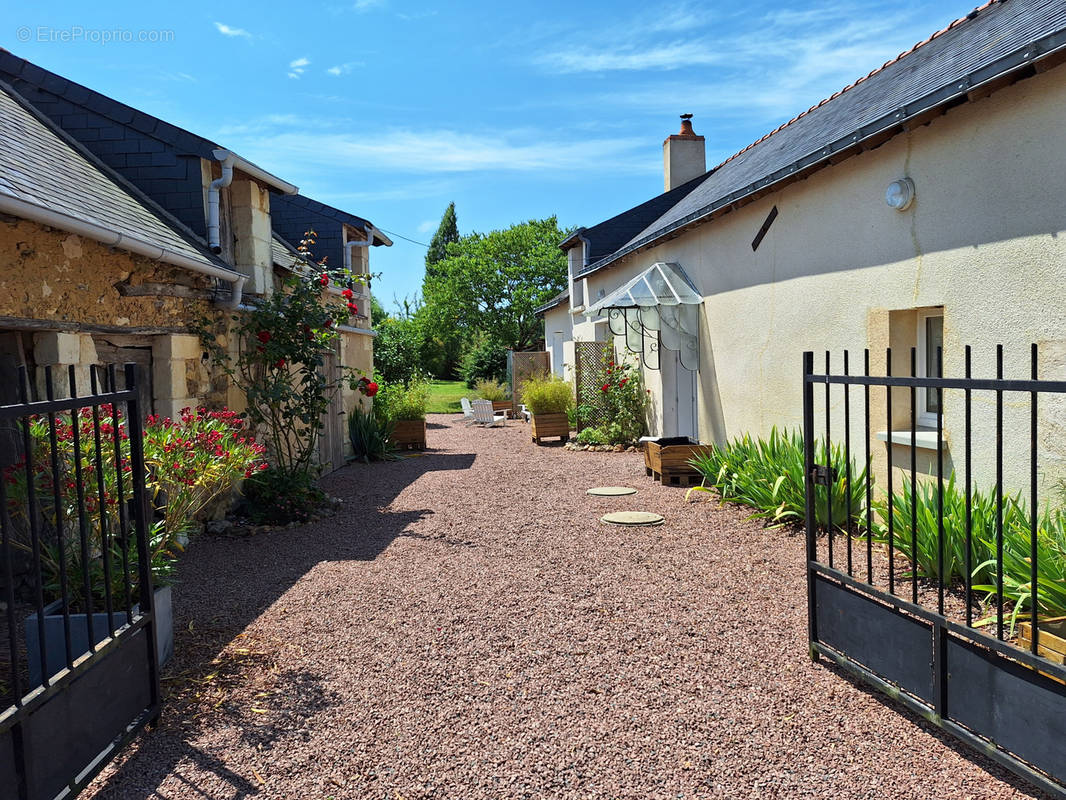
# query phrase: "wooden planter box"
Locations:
[[409, 434], [503, 405], [666, 460], [550, 425], [1052, 644]]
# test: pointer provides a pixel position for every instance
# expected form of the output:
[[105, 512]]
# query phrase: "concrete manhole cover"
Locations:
[[632, 518], [611, 491]]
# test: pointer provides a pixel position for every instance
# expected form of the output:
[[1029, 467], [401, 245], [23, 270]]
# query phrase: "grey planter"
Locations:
[[55, 648]]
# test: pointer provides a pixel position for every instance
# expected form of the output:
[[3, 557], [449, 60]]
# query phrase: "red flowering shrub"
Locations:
[[195, 460], [188, 463], [620, 407]]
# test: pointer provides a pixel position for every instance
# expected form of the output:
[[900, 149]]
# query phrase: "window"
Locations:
[[930, 341]]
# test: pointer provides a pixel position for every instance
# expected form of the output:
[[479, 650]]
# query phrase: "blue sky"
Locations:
[[392, 109]]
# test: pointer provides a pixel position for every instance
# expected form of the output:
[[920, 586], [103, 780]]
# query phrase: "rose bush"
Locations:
[[621, 403]]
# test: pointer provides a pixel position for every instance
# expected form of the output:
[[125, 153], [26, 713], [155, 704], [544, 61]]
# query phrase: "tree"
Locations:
[[377, 311], [493, 283], [447, 233], [396, 350]]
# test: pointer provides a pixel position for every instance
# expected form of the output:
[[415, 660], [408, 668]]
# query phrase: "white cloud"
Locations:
[[294, 149], [367, 5], [776, 66], [298, 67], [417, 15], [667, 56], [226, 30], [427, 225], [343, 69]]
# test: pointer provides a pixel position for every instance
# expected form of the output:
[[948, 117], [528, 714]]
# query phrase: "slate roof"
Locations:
[[293, 215], [562, 297], [40, 165], [284, 254], [606, 237], [998, 38]]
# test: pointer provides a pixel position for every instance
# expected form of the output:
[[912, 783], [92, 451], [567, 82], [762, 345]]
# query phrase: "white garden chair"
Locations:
[[484, 415], [468, 411], [525, 413]]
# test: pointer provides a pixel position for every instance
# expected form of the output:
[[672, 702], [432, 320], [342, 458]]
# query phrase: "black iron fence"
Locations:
[[894, 582], [78, 660]]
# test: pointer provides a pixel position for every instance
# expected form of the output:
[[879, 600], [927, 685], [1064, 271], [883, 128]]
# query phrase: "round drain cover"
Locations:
[[632, 518], [611, 491]]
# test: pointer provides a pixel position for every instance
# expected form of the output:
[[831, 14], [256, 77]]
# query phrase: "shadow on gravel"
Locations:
[[945, 738], [225, 583]]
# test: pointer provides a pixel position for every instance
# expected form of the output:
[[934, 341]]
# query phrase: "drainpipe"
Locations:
[[349, 245], [213, 238]]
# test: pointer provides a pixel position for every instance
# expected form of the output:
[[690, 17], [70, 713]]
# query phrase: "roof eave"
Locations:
[[1048, 51]]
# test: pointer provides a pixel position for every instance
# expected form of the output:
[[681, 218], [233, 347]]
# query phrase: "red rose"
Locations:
[[623, 381], [347, 294], [280, 363], [329, 323], [263, 336], [353, 308], [371, 389], [324, 279], [605, 387]]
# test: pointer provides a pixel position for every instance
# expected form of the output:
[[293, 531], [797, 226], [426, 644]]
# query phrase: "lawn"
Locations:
[[444, 396]]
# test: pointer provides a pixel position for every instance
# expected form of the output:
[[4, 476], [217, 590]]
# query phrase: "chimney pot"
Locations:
[[684, 156]]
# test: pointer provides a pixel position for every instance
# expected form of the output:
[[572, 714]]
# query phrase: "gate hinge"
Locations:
[[823, 475]]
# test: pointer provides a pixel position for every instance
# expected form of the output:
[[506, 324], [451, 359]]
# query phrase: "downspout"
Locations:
[[349, 245], [213, 237]]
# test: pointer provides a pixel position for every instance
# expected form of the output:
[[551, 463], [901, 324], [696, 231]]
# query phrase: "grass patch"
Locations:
[[444, 396]]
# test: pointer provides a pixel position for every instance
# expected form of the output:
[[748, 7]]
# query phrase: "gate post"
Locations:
[[808, 505]]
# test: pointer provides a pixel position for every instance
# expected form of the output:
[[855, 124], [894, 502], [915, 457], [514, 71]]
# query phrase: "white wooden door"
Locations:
[[680, 416]]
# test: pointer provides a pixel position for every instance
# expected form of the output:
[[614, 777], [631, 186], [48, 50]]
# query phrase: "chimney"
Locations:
[[684, 156]]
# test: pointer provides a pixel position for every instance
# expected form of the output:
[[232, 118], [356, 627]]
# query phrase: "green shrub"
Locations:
[[1051, 543], [621, 403], [484, 360], [547, 394], [591, 436], [369, 435], [983, 510], [490, 390], [1017, 578], [768, 475], [396, 402], [277, 497]]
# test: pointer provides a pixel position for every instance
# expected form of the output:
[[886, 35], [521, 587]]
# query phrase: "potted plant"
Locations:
[[548, 399], [403, 408], [496, 393]]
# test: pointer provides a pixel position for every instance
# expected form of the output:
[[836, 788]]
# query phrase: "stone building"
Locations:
[[121, 232]]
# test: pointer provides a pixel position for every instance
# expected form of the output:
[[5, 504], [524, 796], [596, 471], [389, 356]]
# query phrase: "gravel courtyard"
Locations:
[[466, 628]]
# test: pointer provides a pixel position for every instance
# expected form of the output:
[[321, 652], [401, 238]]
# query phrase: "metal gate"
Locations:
[[867, 611], [78, 662], [588, 370]]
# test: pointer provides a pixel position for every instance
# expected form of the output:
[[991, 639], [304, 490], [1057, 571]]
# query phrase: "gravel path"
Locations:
[[467, 628]]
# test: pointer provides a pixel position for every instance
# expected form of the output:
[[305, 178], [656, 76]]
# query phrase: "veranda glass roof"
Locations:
[[657, 308], [661, 284]]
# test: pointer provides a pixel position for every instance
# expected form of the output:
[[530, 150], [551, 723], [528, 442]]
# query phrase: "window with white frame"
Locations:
[[930, 345]]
